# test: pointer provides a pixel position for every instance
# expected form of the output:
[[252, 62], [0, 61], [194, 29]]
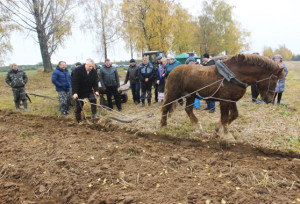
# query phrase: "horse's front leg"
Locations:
[[233, 112], [222, 126]]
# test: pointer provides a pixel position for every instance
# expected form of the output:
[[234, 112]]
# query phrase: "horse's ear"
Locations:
[[240, 58], [280, 73]]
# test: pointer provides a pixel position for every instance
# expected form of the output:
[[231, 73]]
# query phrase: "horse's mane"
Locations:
[[253, 59]]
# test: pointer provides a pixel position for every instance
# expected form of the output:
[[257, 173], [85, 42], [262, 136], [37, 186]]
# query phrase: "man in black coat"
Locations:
[[85, 85]]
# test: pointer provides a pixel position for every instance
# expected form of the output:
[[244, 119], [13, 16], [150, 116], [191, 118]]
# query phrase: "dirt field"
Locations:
[[47, 158], [51, 160]]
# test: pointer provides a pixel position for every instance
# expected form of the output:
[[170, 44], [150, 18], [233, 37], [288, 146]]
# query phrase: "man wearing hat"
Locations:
[[191, 60], [156, 66], [133, 76], [208, 62]]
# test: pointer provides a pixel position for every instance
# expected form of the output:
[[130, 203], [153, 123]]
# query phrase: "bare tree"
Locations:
[[50, 19], [101, 19]]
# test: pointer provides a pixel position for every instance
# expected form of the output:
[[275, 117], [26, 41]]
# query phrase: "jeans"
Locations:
[[146, 88], [135, 88], [113, 90], [254, 92], [210, 104]]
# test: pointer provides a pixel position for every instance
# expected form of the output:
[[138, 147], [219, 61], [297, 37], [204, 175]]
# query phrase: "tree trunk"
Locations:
[[44, 52]]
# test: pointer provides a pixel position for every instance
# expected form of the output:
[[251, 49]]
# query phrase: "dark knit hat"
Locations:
[[158, 57], [206, 55], [78, 64], [132, 60]]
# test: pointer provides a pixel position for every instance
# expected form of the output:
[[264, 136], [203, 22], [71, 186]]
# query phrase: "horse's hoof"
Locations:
[[228, 138]]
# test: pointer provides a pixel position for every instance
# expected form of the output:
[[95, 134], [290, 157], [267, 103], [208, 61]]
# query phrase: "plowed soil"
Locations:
[[53, 160]]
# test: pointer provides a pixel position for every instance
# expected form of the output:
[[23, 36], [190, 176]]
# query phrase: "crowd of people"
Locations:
[[83, 81]]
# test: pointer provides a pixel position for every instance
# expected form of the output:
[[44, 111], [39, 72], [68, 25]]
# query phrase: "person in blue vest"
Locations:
[[207, 61], [147, 75], [61, 78]]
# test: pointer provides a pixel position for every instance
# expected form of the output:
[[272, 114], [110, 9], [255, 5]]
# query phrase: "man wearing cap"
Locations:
[[78, 64], [172, 64], [209, 62], [85, 85], [17, 79], [191, 60], [156, 66], [146, 75], [133, 76]]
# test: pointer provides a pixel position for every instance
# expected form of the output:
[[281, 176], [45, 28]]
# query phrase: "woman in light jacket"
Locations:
[[281, 83]]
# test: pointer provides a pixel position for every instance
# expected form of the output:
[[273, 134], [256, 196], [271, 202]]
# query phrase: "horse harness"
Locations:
[[229, 75]]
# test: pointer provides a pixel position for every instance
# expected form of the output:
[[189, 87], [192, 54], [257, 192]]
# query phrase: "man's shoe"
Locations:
[[94, 116], [212, 110], [155, 102], [207, 108], [17, 109], [25, 109], [120, 109], [65, 113], [143, 104]]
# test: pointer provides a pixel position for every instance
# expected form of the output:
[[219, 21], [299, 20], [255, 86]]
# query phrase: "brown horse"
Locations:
[[248, 68]]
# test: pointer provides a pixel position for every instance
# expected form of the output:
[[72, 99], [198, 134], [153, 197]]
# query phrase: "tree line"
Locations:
[[144, 25]]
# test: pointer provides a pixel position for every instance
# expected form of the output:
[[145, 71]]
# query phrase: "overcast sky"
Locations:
[[270, 22]]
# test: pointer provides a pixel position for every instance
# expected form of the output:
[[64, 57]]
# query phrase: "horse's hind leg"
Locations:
[[164, 116], [223, 123], [189, 110]]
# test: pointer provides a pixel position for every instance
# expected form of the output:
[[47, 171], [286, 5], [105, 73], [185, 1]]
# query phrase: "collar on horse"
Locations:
[[228, 74]]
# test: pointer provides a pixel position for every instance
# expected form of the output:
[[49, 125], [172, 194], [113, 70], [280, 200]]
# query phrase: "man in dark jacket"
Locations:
[[61, 78], [156, 66], [84, 84], [133, 76], [17, 79], [110, 82], [146, 75], [209, 62]]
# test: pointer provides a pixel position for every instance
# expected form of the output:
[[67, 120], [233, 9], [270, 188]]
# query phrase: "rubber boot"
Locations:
[[143, 103], [17, 104], [149, 102], [25, 105], [78, 117]]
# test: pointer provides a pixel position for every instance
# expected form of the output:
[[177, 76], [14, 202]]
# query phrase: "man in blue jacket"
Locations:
[[61, 78]]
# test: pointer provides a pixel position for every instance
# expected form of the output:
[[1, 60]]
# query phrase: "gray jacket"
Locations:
[[109, 76], [281, 83], [16, 79]]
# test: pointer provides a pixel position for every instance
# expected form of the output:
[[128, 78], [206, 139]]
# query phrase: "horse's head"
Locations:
[[266, 87]]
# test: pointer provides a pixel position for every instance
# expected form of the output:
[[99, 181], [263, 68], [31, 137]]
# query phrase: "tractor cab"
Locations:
[[153, 55]]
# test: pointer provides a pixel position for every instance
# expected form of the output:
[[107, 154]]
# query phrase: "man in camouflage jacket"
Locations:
[[17, 79]]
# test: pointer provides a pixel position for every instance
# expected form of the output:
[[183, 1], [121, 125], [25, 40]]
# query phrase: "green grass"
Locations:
[[26, 71]]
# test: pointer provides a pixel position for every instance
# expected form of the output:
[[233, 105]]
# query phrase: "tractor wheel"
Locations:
[[124, 98]]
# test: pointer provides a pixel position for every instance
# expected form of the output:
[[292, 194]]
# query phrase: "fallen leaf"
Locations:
[[104, 181], [223, 201], [157, 185], [90, 185]]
